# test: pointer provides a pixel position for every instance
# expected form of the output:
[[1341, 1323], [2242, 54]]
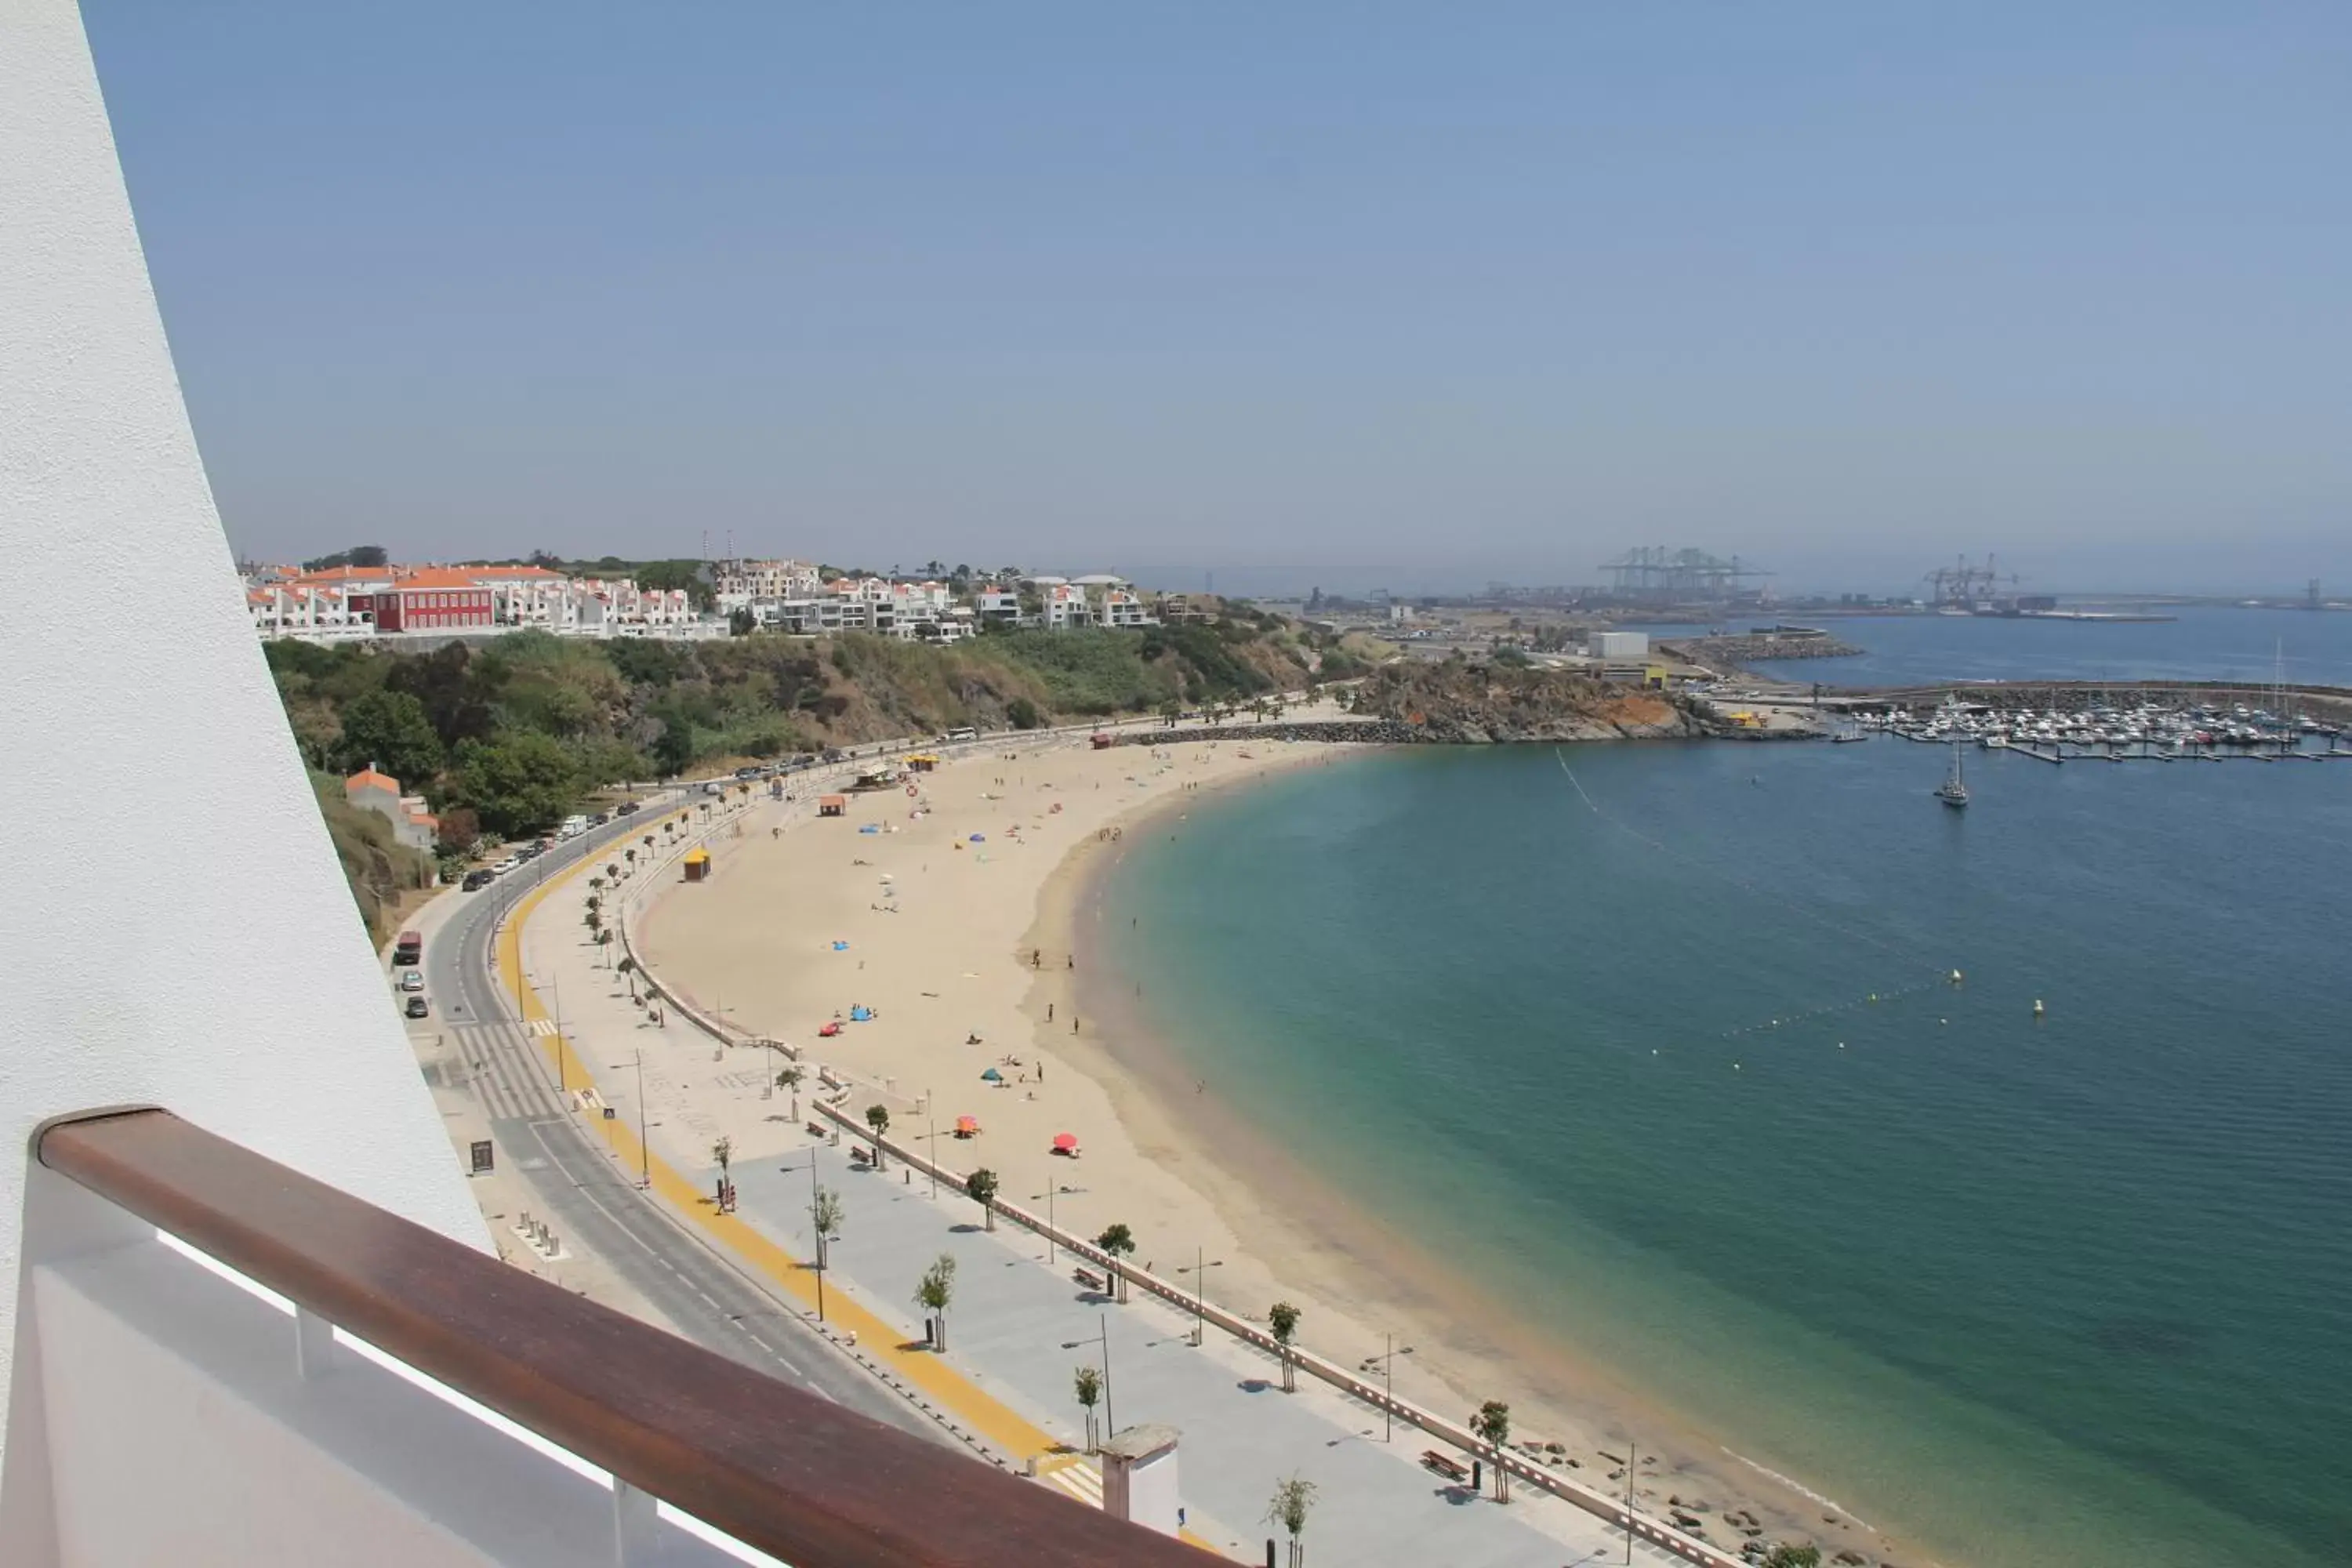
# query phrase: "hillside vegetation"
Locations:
[[378, 869], [508, 737]]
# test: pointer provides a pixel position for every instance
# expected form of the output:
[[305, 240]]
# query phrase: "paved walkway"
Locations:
[[1017, 1329]]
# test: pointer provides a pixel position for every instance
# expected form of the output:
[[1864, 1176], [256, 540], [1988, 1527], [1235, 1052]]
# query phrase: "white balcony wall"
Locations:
[[211, 962]]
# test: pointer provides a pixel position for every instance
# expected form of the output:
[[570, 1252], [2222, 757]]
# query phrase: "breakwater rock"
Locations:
[[1730, 652]]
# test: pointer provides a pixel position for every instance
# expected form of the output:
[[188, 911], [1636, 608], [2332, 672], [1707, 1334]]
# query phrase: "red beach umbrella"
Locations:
[[1065, 1142]]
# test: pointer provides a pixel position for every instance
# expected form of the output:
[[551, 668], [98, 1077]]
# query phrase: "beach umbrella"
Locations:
[[841, 947], [1065, 1142], [967, 1124], [980, 838], [991, 1076]]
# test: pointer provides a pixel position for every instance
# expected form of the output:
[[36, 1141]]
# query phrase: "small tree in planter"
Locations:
[[1282, 1319], [1120, 1242], [1086, 1384], [1492, 1423], [935, 1291], [981, 1185]]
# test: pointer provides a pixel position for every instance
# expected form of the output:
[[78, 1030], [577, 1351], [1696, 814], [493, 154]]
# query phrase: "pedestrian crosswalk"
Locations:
[[503, 1071], [1081, 1480], [542, 1027]]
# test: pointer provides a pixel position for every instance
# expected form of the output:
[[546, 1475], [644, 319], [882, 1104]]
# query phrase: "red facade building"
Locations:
[[434, 601]]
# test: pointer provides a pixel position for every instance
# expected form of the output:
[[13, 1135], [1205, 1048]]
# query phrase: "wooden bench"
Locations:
[[1451, 1468], [1087, 1277]]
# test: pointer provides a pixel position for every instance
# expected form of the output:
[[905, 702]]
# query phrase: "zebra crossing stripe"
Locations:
[[1082, 1482]]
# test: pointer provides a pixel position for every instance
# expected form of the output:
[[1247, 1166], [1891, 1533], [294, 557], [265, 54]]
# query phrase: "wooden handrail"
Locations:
[[776, 1468]]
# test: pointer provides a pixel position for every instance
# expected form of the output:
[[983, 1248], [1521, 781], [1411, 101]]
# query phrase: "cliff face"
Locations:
[[1459, 703]]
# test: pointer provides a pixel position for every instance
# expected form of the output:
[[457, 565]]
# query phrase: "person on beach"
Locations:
[[1049, 1012]]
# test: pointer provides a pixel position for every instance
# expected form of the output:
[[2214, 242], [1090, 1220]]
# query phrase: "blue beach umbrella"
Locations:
[[991, 1076]]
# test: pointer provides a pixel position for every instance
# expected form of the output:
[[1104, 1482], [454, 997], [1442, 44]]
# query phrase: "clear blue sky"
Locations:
[[1396, 294]]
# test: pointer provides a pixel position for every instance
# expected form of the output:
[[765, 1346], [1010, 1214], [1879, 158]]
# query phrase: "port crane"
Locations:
[[1964, 587], [1659, 576]]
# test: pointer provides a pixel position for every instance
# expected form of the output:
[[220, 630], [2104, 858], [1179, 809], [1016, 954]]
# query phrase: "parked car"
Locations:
[[416, 1007], [626, 808], [412, 979], [480, 876], [600, 818], [505, 866]]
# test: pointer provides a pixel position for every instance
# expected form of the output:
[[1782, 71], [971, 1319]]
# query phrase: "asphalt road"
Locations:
[[594, 1205]]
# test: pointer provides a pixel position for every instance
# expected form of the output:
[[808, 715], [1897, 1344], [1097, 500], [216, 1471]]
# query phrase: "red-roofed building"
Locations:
[[412, 823], [434, 599]]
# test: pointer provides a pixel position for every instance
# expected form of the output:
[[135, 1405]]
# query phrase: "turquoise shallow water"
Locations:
[[2070, 1291]]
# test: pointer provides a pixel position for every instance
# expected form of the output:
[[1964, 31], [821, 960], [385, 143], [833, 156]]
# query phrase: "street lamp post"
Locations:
[[1200, 1266], [1110, 1422], [644, 1128], [1387, 1385], [1051, 1187], [818, 1233]]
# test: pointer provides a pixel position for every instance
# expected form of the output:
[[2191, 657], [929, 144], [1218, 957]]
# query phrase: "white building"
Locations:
[[1617, 645], [314, 612], [1120, 608], [1067, 606], [740, 585], [997, 605]]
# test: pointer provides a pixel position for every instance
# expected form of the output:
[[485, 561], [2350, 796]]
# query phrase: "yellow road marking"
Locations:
[[973, 1407]]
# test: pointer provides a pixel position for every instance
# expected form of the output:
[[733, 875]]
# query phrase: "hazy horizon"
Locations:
[[1380, 297]]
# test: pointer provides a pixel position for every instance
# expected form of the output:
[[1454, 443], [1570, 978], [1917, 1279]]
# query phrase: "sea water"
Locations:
[[1662, 1041], [2201, 643]]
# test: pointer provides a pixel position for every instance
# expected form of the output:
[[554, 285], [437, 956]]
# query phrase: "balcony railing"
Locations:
[[770, 1465]]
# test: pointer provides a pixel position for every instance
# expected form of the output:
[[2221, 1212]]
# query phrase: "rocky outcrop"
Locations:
[[1464, 703], [1736, 652]]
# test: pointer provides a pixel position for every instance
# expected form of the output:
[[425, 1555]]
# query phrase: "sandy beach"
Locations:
[[962, 924]]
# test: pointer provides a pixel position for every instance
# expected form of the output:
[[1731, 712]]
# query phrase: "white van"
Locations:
[[574, 826]]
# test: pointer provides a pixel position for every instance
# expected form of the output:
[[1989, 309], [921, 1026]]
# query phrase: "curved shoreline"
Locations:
[[1315, 1245], [1174, 1164]]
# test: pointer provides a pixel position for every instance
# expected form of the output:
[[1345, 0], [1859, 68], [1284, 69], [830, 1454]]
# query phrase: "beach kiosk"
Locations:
[[833, 806], [922, 763], [697, 865], [1139, 1477]]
